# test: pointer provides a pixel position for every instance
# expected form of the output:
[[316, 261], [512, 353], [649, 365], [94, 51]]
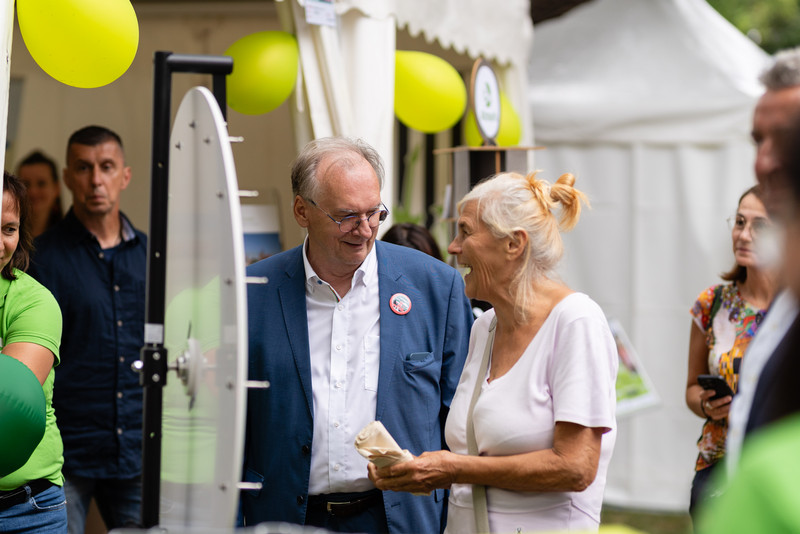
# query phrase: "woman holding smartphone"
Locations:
[[724, 319]]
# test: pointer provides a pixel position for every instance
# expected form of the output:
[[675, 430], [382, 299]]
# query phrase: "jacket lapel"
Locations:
[[292, 295], [390, 326]]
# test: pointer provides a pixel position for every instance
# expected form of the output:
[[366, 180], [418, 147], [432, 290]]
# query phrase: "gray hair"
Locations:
[[509, 202], [784, 72], [304, 169]]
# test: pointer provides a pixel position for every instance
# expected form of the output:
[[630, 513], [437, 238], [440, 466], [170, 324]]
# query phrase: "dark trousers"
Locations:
[[370, 520], [705, 486]]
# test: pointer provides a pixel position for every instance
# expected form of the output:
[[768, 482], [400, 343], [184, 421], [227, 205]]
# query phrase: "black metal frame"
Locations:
[[154, 355]]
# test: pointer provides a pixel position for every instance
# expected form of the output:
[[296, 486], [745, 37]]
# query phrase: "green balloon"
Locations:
[[23, 414], [264, 71]]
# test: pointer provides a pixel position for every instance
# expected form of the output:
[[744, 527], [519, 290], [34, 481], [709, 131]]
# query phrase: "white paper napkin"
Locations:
[[379, 447]]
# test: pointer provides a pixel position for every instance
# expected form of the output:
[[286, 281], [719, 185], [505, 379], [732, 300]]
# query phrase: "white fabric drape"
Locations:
[[6, 34], [650, 105], [346, 84], [346, 78]]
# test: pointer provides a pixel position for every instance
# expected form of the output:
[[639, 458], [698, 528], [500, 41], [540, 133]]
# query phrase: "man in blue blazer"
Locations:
[[346, 331]]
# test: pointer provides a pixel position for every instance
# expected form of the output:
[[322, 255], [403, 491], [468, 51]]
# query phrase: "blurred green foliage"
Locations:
[[772, 24]]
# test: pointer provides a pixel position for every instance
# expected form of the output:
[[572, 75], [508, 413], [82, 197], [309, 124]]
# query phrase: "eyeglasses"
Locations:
[[351, 222], [758, 225]]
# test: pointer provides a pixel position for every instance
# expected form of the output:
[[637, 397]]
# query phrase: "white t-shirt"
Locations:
[[568, 374]]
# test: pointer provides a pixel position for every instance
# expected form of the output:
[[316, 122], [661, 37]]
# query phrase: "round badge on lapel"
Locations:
[[400, 303]]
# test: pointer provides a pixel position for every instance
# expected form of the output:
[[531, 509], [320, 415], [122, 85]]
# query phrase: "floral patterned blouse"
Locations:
[[729, 323]]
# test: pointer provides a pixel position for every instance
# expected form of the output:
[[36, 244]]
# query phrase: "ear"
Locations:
[[300, 211], [126, 177], [516, 244]]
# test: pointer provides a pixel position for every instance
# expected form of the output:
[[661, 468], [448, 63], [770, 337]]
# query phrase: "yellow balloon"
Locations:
[[510, 132], [82, 43], [472, 136], [264, 71], [429, 94]]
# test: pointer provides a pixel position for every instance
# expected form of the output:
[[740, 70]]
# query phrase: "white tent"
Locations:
[[649, 104]]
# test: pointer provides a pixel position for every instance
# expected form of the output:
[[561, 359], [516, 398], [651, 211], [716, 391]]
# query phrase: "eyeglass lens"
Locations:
[[758, 224], [351, 222]]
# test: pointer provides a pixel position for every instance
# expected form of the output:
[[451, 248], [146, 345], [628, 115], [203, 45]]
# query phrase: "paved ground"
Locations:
[[648, 522]]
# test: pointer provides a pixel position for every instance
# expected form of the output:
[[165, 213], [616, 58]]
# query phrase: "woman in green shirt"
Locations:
[[31, 496]]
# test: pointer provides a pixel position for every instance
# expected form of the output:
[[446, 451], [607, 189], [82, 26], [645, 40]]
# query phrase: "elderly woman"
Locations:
[[725, 318], [31, 494], [531, 428]]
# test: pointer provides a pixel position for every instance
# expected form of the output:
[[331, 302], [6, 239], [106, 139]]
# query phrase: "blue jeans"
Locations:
[[44, 513], [119, 501]]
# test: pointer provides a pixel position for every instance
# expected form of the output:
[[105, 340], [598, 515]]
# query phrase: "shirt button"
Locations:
[[338, 385], [338, 347], [337, 467], [119, 323], [340, 307], [119, 394], [116, 287], [306, 449], [336, 424], [300, 499], [122, 359], [101, 255], [119, 431]]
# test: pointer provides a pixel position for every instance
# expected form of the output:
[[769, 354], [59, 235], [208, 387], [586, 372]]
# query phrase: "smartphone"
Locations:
[[717, 383]]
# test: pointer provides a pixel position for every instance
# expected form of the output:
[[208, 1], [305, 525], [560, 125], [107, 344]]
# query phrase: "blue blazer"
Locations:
[[413, 394]]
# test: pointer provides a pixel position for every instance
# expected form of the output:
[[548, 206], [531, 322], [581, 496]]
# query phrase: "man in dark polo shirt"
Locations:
[[94, 263]]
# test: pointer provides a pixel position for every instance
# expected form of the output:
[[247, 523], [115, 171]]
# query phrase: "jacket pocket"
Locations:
[[417, 360]]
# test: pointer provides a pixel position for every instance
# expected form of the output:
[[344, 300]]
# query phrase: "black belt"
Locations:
[[9, 498], [345, 504]]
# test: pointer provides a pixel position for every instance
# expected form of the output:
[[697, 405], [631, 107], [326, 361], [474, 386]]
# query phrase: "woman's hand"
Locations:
[[715, 409], [426, 472]]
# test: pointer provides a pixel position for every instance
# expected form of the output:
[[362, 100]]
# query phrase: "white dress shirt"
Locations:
[[779, 318], [344, 342]]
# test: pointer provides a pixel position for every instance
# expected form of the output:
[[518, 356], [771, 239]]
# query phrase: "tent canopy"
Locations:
[[660, 71]]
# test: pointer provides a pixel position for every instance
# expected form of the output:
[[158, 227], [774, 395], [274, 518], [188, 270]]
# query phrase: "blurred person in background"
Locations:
[[725, 318], [38, 173], [413, 236]]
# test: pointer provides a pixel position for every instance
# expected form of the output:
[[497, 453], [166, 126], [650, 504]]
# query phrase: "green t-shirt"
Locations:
[[30, 313], [762, 496]]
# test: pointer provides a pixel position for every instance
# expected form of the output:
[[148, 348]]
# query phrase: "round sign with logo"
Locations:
[[485, 100]]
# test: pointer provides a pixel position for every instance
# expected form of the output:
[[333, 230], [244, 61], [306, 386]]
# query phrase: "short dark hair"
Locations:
[[22, 256], [413, 236], [37, 157], [93, 136]]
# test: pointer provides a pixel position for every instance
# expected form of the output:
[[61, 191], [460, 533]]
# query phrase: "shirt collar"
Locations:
[[366, 273], [79, 231]]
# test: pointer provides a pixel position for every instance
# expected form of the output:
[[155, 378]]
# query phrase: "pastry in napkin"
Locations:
[[379, 447]]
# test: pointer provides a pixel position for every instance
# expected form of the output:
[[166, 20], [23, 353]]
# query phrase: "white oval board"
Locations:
[[205, 324]]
